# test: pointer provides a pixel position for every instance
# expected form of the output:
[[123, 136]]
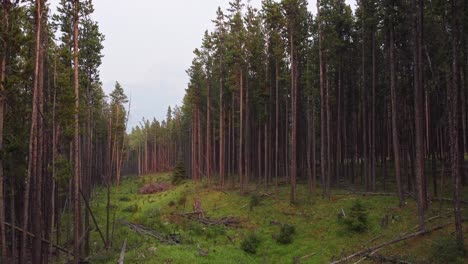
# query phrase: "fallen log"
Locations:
[[396, 240]]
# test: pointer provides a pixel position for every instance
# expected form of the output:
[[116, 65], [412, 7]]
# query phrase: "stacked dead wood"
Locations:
[[201, 218], [170, 239]]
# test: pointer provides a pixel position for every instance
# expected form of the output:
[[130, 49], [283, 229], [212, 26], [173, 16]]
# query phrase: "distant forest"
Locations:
[[367, 100]]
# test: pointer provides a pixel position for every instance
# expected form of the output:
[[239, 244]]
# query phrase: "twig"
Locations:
[[221, 206], [230, 239], [308, 255]]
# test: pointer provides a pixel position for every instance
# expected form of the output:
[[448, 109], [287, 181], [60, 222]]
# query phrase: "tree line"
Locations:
[[60, 134], [370, 99]]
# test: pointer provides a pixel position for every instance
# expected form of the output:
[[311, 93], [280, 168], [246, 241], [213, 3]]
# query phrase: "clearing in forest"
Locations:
[[197, 223]]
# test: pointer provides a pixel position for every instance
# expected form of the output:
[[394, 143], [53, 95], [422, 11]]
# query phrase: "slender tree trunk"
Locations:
[[395, 136], [77, 180], [323, 109], [208, 134], [241, 180], [277, 121], [419, 112], [293, 167], [372, 135], [221, 128], [456, 147], [33, 133], [2, 109], [308, 151]]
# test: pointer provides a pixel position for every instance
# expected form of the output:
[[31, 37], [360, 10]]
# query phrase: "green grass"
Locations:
[[317, 228]]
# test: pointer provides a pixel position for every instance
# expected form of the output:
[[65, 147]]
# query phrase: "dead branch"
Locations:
[[436, 199], [122, 252], [385, 259], [434, 217], [42, 239], [308, 255], [170, 239], [291, 213], [201, 251], [396, 240], [221, 206], [226, 221], [94, 219]]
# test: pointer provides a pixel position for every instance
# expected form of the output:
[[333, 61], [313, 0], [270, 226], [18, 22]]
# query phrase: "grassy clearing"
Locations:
[[318, 231]]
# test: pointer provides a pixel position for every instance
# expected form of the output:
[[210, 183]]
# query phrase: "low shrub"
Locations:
[[154, 188], [357, 219], [131, 209], [446, 250], [286, 234], [250, 243], [254, 201], [179, 173], [124, 199], [182, 200]]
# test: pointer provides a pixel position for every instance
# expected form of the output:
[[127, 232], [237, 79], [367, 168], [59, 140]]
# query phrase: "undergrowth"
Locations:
[[274, 231]]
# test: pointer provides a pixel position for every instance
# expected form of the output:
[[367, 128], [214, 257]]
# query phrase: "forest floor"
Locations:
[[320, 234]]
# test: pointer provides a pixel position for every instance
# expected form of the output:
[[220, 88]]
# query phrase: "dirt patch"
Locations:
[[154, 188]]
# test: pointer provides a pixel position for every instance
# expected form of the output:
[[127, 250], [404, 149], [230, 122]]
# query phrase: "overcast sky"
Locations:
[[149, 45]]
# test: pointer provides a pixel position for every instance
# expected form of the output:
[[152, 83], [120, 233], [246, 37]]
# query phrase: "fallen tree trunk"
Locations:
[[396, 240]]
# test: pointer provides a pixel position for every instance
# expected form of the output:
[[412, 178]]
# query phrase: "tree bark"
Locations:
[[419, 112], [456, 142], [77, 180], [2, 109], [323, 109], [395, 136]]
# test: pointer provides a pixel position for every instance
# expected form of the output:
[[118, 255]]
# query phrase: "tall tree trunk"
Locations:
[[419, 112], [456, 147], [277, 121], [208, 134], [372, 134], [323, 109], [221, 130], [33, 133], [293, 167], [77, 180], [241, 180], [395, 136], [2, 109]]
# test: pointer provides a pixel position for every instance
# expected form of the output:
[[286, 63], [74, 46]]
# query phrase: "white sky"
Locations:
[[149, 45]]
